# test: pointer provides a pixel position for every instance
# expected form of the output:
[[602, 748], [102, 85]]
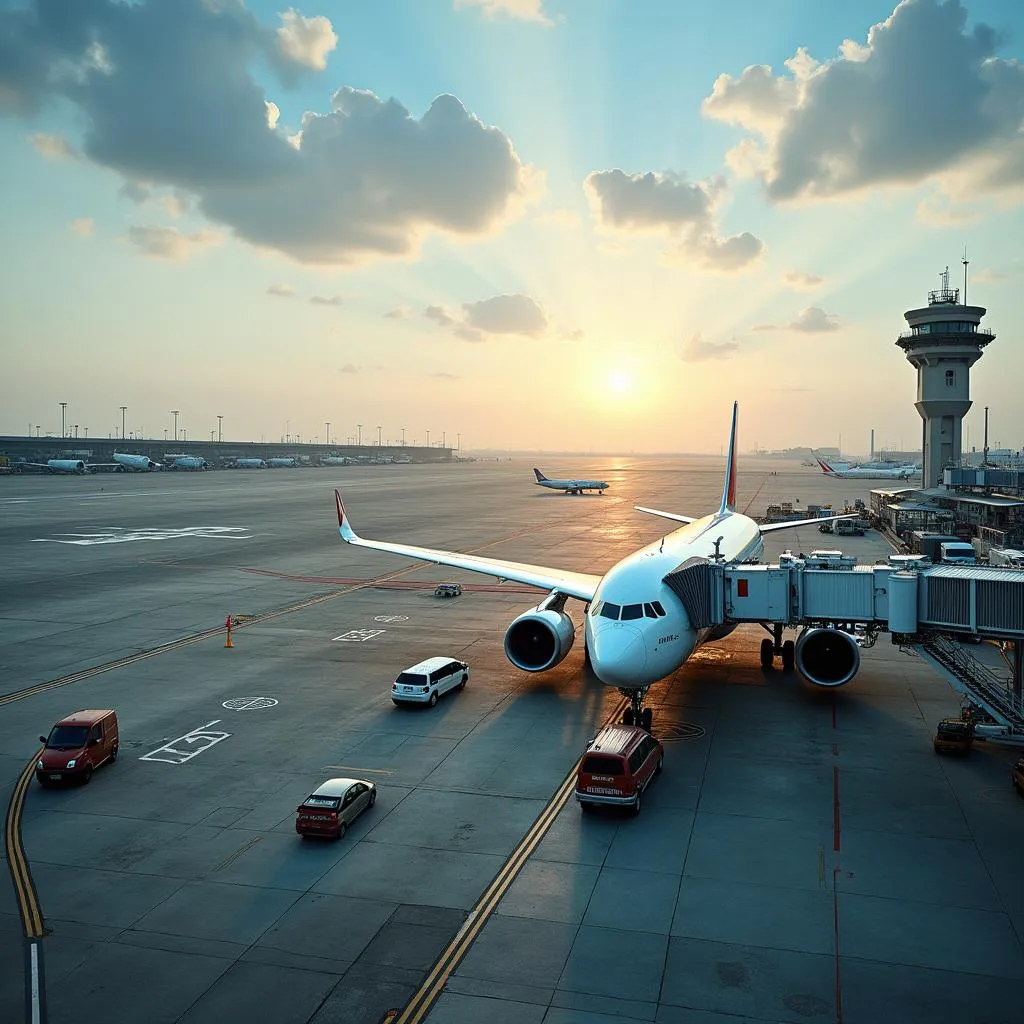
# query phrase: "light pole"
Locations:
[[428, 438], [63, 406], [76, 431], [174, 413], [123, 410], [328, 441], [359, 435], [220, 428], [184, 434], [37, 430], [378, 436], [165, 435], [459, 448], [444, 439], [211, 436], [403, 437], [86, 431]]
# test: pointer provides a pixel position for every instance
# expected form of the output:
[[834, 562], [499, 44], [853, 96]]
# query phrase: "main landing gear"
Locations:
[[776, 647], [636, 713]]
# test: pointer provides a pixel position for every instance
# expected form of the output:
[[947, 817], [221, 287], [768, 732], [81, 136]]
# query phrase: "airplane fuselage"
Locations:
[[573, 486], [639, 651]]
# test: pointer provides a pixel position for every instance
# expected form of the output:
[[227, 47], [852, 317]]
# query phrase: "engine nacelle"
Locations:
[[539, 639], [827, 657]]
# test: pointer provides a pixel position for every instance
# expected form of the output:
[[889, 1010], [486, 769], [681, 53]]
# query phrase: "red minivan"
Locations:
[[618, 766], [76, 745]]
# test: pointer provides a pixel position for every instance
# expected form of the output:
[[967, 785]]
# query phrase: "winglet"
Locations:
[[348, 535], [729, 490], [538, 474]]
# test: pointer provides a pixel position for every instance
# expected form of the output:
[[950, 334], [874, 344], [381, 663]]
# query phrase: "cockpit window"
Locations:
[[633, 611], [649, 611], [609, 610], [656, 605]]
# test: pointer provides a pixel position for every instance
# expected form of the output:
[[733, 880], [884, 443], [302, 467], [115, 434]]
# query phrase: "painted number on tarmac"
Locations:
[[391, 618], [184, 748], [248, 703], [356, 636]]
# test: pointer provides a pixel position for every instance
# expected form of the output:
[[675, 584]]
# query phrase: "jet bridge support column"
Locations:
[[1018, 672]]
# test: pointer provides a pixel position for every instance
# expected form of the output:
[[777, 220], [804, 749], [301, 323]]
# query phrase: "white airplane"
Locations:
[[864, 473], [139, 463], [56, 466], [188, 462], [637, 629], [570, 486]]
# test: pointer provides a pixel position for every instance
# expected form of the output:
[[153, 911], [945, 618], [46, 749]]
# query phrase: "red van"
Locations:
[[76, 745], [619, 764]]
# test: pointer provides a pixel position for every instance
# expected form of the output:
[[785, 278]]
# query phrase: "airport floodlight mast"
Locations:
[[63, 406], [124, 409], [943, 343], [378, 436], [359, 435], [174, 413], [428, 438], [220, 427], [403, 437], [328, 436]]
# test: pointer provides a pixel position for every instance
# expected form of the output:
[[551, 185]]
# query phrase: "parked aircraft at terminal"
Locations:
[[570, 486], [636, 629], [188, 462], [869, 473]]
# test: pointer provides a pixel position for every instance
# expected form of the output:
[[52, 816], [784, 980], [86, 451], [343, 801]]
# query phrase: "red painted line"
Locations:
[[835, 925], [833, 710], [835, 749], [835, 809]]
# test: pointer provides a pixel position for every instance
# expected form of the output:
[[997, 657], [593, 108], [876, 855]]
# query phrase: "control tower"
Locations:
[[943, 343]]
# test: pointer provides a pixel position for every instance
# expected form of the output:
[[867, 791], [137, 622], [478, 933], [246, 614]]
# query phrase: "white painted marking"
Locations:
[[356, 636], [391, 618], [248, 703], [36, 1007], [358, 771], [208, 737], [117, 535]]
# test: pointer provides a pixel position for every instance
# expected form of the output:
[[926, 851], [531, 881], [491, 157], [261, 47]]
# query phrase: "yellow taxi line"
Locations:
[[24, 888]]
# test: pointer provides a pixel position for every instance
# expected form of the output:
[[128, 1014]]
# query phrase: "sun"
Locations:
[[620, 381]]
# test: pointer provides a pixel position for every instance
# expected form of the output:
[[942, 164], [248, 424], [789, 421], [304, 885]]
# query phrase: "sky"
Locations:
[[582, 225]]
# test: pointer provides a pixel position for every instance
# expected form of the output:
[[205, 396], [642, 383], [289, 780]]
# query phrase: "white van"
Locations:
[[425, 682]]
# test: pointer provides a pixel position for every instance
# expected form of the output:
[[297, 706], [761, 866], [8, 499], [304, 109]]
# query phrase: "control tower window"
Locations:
[[951, 378]]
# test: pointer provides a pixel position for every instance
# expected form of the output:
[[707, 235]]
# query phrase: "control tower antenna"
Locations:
[[943, 343], [965, 261]]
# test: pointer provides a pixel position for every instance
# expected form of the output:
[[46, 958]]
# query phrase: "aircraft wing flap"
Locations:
[[580, 585]]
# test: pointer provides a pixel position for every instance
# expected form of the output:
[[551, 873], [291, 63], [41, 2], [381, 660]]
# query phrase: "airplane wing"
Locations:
[[666, 515], [772, 527], [581, 585]]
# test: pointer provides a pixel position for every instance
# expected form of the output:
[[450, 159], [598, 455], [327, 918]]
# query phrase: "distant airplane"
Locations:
[[250, 464], [56, 466], [570, 486], [282, 462], [636, 628], [186, 462], [138, 463], [864, 473]]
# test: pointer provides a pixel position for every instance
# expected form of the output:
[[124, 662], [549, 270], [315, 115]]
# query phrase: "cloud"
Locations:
[[54, 147], [654, 203], [467, 333], [281, 291], [439, 315], [814, 319], [696, 349], [938, 212], [82, 227], [925, 97], [366, 179], [810, 320], [574, 335], [525, 10], [446, 376], [169, 243], [350, 368], [988, 276], [506, 314], [306, 41], [322, 300], [399, 313], [800, 280], [560, 218]]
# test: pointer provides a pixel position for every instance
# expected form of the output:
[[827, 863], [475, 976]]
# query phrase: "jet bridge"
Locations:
[[827, 595]]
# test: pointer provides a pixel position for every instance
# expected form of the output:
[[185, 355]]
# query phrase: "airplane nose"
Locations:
[[618, 655]]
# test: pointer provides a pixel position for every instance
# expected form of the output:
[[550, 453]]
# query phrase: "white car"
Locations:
[[425, 682]]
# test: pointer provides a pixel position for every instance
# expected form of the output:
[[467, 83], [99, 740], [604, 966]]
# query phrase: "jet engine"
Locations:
[[539, 638], [827, 657]]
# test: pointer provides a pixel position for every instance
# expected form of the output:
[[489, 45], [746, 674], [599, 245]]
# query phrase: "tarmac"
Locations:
[[804, 856]]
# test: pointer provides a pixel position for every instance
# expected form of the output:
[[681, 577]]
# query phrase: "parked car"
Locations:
[[76, 745], [333, 806], [620, 762], [448, 590], [425, 682]]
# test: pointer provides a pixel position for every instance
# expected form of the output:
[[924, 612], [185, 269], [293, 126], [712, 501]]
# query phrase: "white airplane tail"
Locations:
[[729, 490]]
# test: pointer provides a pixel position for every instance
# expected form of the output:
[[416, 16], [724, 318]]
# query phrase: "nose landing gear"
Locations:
[[776, 647], [636, 713]]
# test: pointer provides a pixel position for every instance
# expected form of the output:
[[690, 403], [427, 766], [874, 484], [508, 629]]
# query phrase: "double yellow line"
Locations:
[[427, 994], [17, 862]]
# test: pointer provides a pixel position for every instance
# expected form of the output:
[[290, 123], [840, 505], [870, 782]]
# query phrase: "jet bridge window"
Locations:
[[632, 611]]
